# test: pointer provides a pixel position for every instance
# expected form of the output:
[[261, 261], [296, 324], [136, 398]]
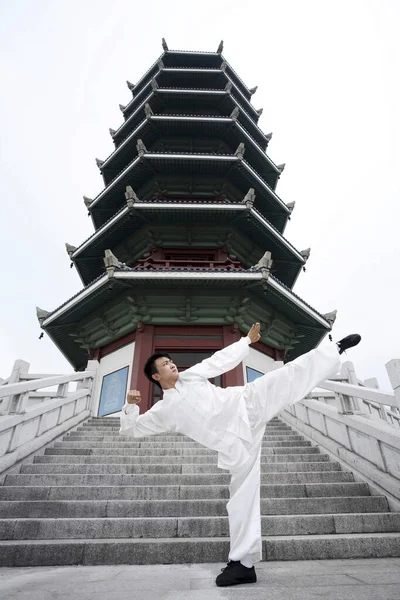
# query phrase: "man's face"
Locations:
[[167, 371]]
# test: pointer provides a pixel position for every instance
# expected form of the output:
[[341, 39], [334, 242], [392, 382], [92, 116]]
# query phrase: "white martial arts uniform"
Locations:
[[232, 421]]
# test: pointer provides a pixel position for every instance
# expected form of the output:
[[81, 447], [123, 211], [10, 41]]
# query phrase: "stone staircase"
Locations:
[[99, 498]]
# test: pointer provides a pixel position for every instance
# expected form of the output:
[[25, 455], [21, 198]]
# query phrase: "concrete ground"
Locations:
[[357, 579]]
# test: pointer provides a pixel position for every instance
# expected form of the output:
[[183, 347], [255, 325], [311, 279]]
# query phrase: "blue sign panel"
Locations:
[[252, 374], [113, 392]]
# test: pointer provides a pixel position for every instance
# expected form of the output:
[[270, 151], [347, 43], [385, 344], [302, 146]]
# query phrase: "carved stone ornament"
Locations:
[[264, 264], [253, 90], [330, 317], [235, 113], [130, 85], [220, 48], [148, 111], [249, 198], [87, 201], [111, 262], [130, 196], [140, 147], [41, 314], [122, 107], [164, 45], [306, 253], [239, 152], [70, 249], [291, 206]]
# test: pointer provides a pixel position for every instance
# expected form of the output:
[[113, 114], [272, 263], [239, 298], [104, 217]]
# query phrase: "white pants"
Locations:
[[266, 397]]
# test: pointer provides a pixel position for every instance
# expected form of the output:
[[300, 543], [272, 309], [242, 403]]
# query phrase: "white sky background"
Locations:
[[328, 77]]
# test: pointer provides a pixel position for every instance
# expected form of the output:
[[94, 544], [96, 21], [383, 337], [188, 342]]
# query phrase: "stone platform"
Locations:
[[358, 579]]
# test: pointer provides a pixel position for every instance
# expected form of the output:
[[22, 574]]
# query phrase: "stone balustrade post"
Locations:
[[393, 370], [350, 404], [10, 403]]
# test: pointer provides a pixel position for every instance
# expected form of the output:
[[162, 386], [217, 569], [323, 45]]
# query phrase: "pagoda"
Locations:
[[188, 248]]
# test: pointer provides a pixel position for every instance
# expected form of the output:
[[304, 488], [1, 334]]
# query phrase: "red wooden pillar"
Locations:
[[143, 349], [230, 334]]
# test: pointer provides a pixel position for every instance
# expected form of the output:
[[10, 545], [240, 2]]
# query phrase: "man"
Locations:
[[231, 421]]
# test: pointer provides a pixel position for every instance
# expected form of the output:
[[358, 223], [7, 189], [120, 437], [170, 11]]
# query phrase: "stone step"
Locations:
[[198, 527], [186, 508], [179, 467], [124, 487], [117, 423], [115, 429], [18, 553], [98, 446], [181, 442], [179, 458], [224, 477], [82, 492], [156, 447]]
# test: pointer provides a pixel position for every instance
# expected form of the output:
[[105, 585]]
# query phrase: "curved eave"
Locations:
[[196, 78], [153, 128], [88, 257], [166, 99], [191, 59], [230, 166], [61, 323]]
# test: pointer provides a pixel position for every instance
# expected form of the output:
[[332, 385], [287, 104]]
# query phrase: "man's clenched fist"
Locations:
[[133, 397], [254, 333]]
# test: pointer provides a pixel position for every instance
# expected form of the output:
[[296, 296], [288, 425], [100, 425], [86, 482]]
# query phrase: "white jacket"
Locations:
[[216, 417]]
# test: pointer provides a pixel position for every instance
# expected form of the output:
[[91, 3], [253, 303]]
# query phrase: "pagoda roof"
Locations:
[[194, 61], [62, 323], [237, 170], [152, 128], [166, 99], [88, 257]]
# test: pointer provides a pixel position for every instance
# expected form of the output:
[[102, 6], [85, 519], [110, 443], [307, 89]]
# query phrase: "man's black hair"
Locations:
[[150, 366]]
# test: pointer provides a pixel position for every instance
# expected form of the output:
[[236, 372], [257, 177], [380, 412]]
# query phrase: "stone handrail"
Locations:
[[32, 418], [365, 393], [347, 430]]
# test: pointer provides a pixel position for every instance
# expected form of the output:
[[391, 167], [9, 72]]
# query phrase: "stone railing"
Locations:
[[366, 399], [32, 416], [340, 422]]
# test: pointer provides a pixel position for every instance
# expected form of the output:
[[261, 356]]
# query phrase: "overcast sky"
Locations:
[[328, 77]]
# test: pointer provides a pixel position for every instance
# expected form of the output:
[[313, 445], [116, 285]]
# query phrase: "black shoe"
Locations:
[[348, 342], [235, 573]]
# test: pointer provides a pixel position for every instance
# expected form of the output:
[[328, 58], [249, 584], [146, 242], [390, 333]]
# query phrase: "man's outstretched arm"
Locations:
[[226, 359], [135, 425]]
